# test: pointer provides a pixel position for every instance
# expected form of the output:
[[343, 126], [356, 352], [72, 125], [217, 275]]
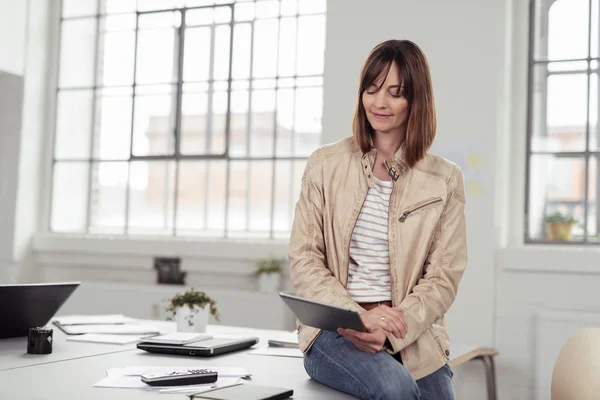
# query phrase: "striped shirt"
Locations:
[[369, 269]]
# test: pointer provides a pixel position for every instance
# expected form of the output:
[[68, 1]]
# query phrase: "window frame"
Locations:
[[177, 95], [586, 154]]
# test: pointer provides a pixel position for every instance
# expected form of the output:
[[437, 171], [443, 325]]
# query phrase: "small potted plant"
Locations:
[[191, 310], [559, 226], [268, 272]]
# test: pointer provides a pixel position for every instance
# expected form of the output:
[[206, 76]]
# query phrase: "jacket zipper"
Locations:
[[406, 213]]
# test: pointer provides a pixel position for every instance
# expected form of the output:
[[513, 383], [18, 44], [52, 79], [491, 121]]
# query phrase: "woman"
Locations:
[[380, 228]]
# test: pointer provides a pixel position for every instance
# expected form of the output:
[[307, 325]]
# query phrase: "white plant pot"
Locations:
[[192, 320], [269, 283]]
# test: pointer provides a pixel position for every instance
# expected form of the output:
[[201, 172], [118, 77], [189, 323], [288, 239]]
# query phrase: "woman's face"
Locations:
[[385, 104]]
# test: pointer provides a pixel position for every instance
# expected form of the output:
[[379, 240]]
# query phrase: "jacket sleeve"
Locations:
[[444, 266], [307, 251]]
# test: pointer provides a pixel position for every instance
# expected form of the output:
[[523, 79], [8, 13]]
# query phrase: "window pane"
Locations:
[[594, 131], [194, 123], [568, 30], [117, 50], [108, 197], [282, 210], [77, 53], [263, 120], [287, 47], [119, 6], [237, 217], [307, 123], [154, 121], [218, 123], [261, 187], [78, 8], [244, 12], [595, 13], [267, 9], [151, 197], [312, 6], [156, 53], [239, 123], [242, 36], [113, 125], [556, 184], [311, 45], [150, 5], [221, 60], [201, 198], [265, 40], [289, 7], [196, 61], [559, 119], [593, 196], [69, 197], [73, 124], [285, 122]]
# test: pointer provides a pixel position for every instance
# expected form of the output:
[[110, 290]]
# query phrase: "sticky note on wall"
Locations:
[[474, 188], [474, 160]]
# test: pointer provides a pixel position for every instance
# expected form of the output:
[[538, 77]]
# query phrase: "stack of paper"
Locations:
[[281, 345], [287, 339], [130, 378], [103, 328]]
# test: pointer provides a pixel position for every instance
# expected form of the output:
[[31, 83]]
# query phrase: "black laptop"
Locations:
[[30, 305], [204, 348]]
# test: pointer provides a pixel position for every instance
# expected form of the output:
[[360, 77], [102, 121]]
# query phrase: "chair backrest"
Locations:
[[576, 372]]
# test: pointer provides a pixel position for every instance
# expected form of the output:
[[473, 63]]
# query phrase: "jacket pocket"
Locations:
[[418, 207], [441, 343]]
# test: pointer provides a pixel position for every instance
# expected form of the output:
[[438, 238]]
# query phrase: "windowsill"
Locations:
[[232, 249], [567, 259]]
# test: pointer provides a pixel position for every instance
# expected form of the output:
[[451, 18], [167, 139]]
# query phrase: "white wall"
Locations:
[[12, 61], [21, 147], [12, 35]]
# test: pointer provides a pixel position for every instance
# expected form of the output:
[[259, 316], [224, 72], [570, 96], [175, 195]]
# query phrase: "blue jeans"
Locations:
[[334, 361]]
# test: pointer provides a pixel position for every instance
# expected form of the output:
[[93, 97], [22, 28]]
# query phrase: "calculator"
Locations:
[[189, 377]]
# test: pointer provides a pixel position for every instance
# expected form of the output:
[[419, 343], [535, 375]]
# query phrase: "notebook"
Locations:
[[245, 391]]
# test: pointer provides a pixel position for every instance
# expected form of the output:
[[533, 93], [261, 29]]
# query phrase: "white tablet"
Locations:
[[322, 315]]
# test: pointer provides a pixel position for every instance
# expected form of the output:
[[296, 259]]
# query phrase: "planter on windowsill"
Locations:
[[268, 273], [560, 226]]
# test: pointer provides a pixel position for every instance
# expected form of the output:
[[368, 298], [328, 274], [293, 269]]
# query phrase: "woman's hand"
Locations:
[[370, 342], [390, 319]]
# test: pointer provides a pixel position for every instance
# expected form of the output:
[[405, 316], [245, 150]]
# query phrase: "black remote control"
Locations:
[[189, 377]]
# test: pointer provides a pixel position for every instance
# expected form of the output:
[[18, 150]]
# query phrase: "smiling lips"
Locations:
[[381, 116]]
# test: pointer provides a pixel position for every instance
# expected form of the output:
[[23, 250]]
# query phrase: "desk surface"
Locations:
[[74, 368]]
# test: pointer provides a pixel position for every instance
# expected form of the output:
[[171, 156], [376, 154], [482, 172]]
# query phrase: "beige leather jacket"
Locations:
[[427, 241]]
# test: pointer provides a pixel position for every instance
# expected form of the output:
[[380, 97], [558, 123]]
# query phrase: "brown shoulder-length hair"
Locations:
[[413, 70]]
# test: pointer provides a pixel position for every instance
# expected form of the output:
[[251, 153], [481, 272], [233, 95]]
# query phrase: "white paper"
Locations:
[[289, 338], [178, 338], [105, 338], [122, 329], [129, 378], [225, 372], [277, 352], [111, 319], [220, 383]]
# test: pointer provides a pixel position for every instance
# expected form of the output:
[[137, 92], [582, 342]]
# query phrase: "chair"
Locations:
[[577, 368]]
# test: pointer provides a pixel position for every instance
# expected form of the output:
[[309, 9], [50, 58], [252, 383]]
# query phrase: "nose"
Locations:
[[379, 101]]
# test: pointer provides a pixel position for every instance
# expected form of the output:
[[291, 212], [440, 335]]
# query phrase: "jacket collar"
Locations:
[[396, 167]]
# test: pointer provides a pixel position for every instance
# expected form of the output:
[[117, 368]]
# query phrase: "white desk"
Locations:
[[70, 372]]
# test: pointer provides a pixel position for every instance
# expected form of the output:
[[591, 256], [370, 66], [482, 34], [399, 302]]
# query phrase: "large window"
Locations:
[[563, 136], [185, 117]]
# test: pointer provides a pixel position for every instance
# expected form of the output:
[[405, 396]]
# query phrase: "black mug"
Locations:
[[39, 341]]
